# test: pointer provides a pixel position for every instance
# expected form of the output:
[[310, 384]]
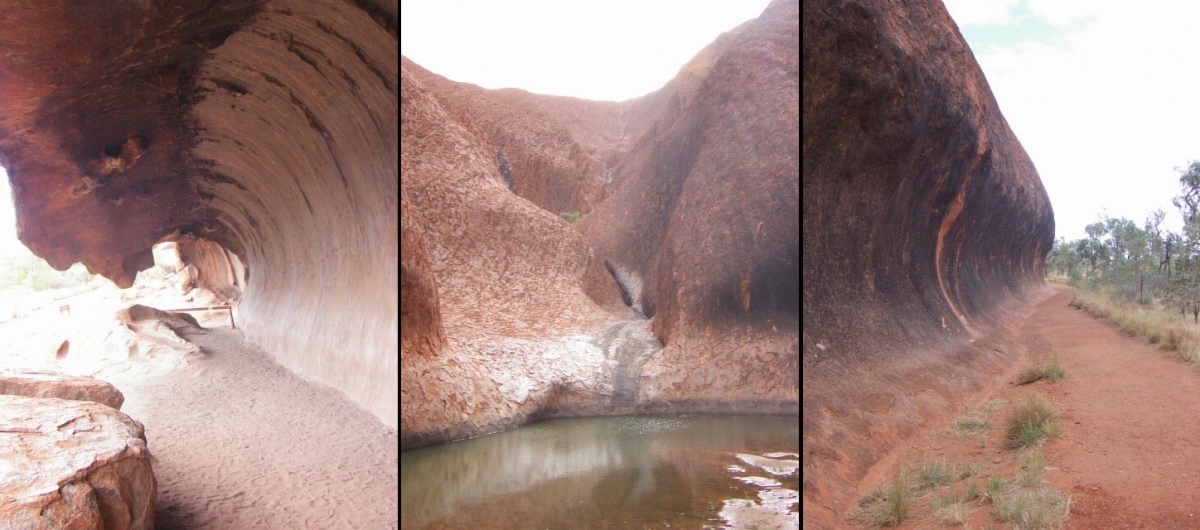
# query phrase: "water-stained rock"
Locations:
[[925, 224], [704, 227]]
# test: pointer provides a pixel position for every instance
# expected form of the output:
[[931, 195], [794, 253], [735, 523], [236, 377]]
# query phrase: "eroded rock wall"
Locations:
[[551, 150], [266, 128], [700, 228], [511, 282], [929, 227], [297, 137], [705, 225]]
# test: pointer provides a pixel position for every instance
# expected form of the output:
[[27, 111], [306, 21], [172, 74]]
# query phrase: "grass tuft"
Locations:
[[1052, 372], [890, 505], [1029, 423], [1033, 509], [1031, 470]]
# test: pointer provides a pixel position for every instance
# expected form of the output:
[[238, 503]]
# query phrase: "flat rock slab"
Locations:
[[62, 386], [73, 464]]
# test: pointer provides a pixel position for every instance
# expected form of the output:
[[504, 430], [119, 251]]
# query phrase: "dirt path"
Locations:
[[1129, 455], [241, 442]]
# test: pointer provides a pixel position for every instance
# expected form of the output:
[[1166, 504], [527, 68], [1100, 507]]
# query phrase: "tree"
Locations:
[[1185, 286]]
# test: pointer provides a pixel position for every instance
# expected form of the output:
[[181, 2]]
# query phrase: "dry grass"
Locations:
[[971, 425], [1171, 332], [1029, 423], [1051, 372], [890, 505], [1033, 508]]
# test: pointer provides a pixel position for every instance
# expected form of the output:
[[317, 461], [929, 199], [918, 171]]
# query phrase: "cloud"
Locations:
[[1104, 106], [976, 13]]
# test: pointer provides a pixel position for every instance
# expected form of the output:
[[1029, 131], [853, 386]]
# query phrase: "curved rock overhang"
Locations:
[[268, 128], [925, 224]]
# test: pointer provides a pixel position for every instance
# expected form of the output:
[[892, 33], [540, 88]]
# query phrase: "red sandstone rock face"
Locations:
[[551, 150], [73, 464], [705, 221], [508, 279], [62, 386], [217, 269], [420, 320], [533, 323], [930, 224], [267, 128]]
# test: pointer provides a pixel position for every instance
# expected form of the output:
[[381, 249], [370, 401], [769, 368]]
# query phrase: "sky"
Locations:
[[609, 51], [1104, 96], [9, 244]]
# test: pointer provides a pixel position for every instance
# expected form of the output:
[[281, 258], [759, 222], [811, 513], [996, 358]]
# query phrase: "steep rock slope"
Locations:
[[512, 281], [926, 224], [551, 150], [533, 322], [267, 128], [704, 229]]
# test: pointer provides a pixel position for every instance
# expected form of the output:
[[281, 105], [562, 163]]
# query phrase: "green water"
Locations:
[[689, 471]]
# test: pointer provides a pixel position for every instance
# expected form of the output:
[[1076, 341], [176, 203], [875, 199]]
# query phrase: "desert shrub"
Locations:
[[1029, 423], [25, 272], [569, 217]]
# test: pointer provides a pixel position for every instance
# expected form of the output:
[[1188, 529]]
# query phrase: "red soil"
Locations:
[[1129, 455]]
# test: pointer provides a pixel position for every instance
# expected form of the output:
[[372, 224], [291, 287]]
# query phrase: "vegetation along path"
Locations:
[[1129, 451]]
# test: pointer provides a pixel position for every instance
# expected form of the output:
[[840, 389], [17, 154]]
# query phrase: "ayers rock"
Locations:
[[677, 291], [925, 228], [259, 135]]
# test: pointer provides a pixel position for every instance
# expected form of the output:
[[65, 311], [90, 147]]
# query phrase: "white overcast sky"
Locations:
[[9, 244], [610, 51], [1103, 95]]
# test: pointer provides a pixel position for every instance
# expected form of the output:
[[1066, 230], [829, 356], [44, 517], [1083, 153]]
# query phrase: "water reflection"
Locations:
[[600, 473]]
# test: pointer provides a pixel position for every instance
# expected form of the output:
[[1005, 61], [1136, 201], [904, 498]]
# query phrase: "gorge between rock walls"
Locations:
[[676, 291]]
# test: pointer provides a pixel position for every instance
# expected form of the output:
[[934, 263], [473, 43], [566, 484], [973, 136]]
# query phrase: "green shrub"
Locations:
[[569, 217], [1029, 423]]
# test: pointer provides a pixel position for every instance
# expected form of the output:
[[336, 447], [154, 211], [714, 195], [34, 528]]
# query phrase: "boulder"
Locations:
[[73, 464], [62, 386]]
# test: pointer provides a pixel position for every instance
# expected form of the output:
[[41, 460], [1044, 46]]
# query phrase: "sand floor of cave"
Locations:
[[1129, 455], [238, 441]]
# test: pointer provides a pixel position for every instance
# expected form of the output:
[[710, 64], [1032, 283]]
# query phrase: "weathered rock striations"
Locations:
[[216, 268], [926, 228], [534, 323], [704, 229], [551, 150], [509, 281], [73, 464], [265, 128]]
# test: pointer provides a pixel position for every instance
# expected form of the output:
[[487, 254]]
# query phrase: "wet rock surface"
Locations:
[[544, 319], [72, 464], [931, 226], [30, 383], [630, 344], [705, 222]]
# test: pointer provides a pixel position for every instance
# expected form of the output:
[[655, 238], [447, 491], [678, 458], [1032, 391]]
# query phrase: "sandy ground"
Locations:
[[1129, 455], [238, 441]]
